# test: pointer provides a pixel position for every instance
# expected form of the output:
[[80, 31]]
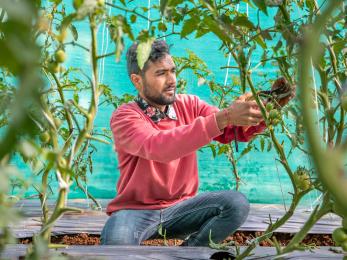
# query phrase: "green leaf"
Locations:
[[74, 32], [261, 5], [266, 35], [242, 20], [246, 150], [259, 39], [133, 18], [67, 21], [56, 1], [162, 27], [339, 46], [143, 52], [310, 4], [160, 230], [223, 149], [213, 149], [189, 26], [201, 32], [163, 5], [278, 45], [76, 97], [262, 144], [215, 28], [269, 146]]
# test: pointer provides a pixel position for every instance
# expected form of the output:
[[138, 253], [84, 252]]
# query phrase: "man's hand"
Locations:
[[240, 113], [245, 97], [244, 113]]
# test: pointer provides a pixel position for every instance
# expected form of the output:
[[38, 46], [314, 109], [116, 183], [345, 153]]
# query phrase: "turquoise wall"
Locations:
[[263, 179]]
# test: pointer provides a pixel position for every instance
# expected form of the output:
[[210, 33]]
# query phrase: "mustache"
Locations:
[[170, 87]]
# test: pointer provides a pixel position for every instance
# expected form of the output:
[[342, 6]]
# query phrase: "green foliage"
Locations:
[[53, 132], [143, 51]]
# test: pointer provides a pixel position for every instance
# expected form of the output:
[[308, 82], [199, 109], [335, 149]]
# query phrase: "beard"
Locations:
[[158, 98]]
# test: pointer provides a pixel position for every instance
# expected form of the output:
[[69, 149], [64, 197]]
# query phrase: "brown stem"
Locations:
[[232, 160]]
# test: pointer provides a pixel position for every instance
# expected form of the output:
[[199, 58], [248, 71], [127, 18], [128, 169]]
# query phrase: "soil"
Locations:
[[240, 237]]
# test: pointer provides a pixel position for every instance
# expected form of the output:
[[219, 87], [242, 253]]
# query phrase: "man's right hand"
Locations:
[[240, 113], [244, 113]]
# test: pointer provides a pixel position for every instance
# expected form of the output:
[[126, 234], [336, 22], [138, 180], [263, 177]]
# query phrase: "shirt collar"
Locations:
[[154, 113]]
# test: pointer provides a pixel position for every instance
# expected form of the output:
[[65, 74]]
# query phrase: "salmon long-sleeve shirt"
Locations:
[[157, 160]]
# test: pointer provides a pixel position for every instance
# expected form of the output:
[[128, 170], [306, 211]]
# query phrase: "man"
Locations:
[[156, 138]]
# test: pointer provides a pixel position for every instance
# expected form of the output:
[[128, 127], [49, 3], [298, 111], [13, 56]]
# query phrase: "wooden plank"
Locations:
[[167, 253], [92, 221]]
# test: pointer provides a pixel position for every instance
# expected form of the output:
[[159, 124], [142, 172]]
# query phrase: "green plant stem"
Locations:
[[316, 215], [278, 146], [89, 195], [95, 96], [106, 55], [296, 196], [340, 127], [285, 13], [73, 43], [329, 163], [43, 195], [60, 208], [62, 98], [134, 12], [273, 227], [60, 203], [334, 66]]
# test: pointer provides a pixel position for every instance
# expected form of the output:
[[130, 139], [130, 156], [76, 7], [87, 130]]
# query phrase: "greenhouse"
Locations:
[[171, 129]]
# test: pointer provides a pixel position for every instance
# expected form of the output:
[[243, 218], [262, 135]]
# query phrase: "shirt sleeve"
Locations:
[[230, 133], [135, 135]]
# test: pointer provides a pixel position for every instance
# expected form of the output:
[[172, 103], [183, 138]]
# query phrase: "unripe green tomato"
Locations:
[[339, 235], [62, 162], [77, 3], [53, 67], [100, 3], [57, 122], [296, 179], [45, 137], [344, 245], [269, 106], [273, 114], [304, 184], [60, 56], [275, 121], [344, 102]]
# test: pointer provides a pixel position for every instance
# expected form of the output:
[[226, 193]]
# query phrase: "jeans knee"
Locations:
[[237, 203], [117, 232], [123, 236]]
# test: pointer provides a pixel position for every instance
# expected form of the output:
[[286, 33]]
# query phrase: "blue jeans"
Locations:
[[221, 212]]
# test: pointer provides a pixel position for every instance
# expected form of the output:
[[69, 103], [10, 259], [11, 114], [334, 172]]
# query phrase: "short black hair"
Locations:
[[159, 50]]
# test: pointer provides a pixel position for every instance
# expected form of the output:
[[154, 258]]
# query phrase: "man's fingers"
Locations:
[[253, 104], [256, 113], [253, 121], [244, 96]]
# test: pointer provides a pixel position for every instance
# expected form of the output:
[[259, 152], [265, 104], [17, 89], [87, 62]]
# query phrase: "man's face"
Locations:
[[158, 84]]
